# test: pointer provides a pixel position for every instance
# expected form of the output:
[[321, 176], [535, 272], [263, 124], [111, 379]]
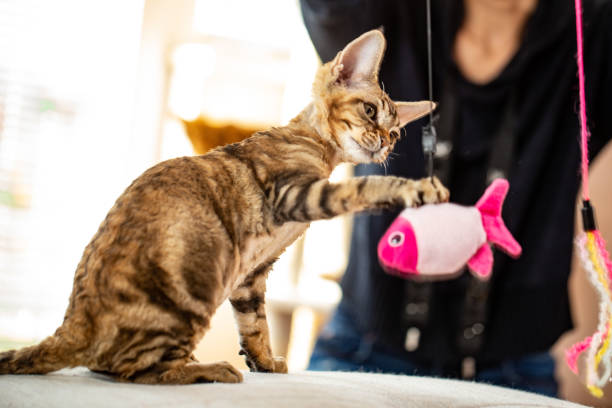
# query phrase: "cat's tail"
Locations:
[[50, 355]]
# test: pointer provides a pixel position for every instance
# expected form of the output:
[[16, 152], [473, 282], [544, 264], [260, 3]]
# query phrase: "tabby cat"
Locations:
[[193, 231]]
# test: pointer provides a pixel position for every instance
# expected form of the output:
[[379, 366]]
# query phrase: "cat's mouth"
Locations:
[[378, 154], [381, 155]]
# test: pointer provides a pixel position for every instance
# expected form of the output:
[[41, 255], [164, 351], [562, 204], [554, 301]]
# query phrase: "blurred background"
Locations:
[[94, 93]]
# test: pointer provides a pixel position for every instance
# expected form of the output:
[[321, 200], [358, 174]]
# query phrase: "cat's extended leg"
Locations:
[[249, 310], [320, 199]]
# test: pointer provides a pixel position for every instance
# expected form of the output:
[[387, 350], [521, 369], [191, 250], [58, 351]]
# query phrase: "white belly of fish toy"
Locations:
[[437, 240]]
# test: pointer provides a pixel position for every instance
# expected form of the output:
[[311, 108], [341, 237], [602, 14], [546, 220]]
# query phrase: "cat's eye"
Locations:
[[370, 110]]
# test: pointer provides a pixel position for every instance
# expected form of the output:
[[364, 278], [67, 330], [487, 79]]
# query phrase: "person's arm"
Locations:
[[334, 23]]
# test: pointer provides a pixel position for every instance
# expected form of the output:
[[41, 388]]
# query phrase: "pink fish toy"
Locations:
[[436, 241]]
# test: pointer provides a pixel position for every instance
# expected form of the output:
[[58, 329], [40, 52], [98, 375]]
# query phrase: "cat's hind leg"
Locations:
[[188, 373], [53, 353], [249, 311], [150, 356]]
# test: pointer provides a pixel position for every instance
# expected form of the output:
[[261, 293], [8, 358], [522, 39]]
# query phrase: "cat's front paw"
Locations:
[[428, 190], [433, 191], [266, 365], [272, 365], [280, 365]]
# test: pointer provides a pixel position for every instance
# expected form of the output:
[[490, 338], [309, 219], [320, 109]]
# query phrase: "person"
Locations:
[[504, 74]]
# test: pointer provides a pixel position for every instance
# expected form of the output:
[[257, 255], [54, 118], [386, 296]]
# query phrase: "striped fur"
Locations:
[[194, 231]]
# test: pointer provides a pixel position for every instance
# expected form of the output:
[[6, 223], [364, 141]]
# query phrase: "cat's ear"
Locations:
[[360, 60], [411, 111]]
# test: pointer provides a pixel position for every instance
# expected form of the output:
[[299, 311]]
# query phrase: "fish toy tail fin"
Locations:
[[490, 207], [482, 262]]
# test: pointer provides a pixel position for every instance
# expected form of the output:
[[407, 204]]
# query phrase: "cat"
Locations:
[[193, 231], [205, 135]]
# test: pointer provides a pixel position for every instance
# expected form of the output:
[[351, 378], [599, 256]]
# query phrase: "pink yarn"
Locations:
[[584, 133], [601, 245], [571, 354]]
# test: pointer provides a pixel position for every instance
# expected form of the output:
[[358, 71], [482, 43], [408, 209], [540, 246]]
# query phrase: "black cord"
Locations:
[[429, 63], [429, 132]]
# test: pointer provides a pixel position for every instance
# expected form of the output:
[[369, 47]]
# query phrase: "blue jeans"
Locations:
[[341, 347]]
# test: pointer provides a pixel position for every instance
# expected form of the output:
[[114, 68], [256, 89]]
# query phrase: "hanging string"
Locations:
[[584, 132], [429, 62], [429, 132]]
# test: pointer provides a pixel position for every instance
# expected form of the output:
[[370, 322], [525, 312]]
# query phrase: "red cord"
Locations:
[[584, 132]]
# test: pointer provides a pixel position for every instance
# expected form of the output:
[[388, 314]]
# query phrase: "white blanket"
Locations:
[[81, 388]]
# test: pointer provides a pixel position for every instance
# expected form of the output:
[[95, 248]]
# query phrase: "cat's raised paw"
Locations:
[[411, 196], [432, 191]]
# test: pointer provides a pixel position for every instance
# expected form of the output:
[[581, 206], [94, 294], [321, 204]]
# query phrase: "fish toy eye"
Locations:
[[396, 239]]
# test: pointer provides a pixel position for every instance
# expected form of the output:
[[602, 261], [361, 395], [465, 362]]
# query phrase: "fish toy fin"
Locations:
[[482, 262], [490, 206]]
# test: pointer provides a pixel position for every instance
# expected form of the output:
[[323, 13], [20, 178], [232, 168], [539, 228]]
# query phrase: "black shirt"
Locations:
[[528, 304]]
